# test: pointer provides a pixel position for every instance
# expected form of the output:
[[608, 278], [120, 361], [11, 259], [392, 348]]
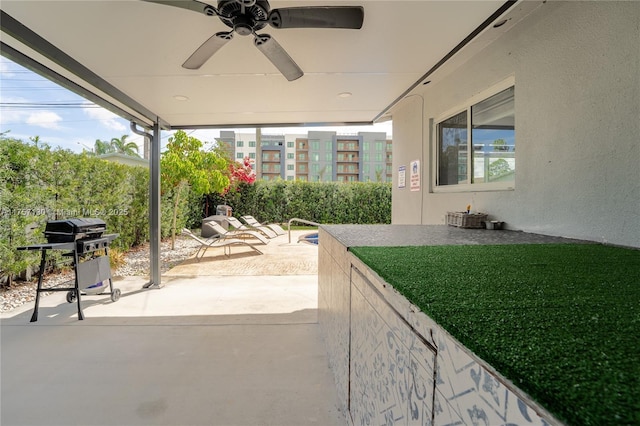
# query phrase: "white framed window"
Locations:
[[239, 155], [475, 143]]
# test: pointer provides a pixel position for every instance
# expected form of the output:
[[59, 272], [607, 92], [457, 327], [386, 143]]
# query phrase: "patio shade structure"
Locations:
[[127, 57]]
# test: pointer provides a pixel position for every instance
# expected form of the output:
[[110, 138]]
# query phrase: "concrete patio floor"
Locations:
[[206, 349]]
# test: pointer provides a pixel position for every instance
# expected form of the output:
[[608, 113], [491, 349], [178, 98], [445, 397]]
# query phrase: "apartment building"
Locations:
[[316, 156]]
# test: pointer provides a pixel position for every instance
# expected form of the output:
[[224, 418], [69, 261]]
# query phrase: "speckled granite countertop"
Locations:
[[427, 235]]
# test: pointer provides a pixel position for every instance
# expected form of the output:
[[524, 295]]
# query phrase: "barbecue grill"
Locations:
[[66, 230], [78, 236]]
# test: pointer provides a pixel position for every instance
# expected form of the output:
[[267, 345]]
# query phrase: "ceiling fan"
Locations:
[[246, 17]]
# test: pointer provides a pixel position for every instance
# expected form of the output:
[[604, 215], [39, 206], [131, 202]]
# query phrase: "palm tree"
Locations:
[[102, 147], [121, 146]]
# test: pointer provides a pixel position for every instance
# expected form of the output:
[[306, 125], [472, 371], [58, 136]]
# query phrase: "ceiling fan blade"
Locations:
[[194, 5], [207, 50], [278, 56], [350, 17]]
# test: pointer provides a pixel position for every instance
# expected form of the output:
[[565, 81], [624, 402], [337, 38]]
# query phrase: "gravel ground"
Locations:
[[136, 264]]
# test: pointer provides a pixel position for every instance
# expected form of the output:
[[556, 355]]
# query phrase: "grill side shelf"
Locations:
[[49, 246]]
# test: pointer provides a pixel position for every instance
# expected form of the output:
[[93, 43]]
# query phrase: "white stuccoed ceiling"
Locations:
[[138, 48]]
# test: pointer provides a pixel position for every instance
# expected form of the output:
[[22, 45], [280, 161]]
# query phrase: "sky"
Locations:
[[31, 105]]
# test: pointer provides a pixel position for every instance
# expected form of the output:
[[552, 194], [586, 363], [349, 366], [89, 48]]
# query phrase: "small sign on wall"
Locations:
[[402, 176], [414, 180]]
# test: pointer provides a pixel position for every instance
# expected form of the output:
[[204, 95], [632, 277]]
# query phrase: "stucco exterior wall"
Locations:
[[406, 206], [577, 108]]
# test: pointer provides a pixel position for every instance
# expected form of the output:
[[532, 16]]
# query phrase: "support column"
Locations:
[[154, 209], [258, 163]]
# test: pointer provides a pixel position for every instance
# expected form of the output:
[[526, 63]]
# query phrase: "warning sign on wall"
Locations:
[[414, 180], [402, 176]]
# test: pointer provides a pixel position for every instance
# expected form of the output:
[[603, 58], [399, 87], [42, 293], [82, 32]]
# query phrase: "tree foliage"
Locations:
[[241, 173], [102, 147], [121, 146], [500, 145], [498, 168], [186, 165]]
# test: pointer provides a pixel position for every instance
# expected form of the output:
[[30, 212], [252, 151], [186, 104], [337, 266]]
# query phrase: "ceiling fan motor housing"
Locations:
[[246, 17], [253, 19]]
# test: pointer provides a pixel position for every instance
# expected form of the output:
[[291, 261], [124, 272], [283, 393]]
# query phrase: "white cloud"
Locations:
[[106, 118], [10, 116], [46, 119], [6, 69]]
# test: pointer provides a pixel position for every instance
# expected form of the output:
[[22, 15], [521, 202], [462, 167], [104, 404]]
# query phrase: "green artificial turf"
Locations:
[[562, 321]]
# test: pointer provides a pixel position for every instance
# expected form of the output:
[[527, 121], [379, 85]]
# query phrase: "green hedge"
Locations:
[[322, 202], [38, 184]]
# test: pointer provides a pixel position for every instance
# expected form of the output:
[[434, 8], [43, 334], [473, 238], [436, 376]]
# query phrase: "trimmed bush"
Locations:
[[322, 202]]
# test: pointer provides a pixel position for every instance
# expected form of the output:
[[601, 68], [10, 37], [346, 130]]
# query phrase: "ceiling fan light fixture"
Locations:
[[345, 94]]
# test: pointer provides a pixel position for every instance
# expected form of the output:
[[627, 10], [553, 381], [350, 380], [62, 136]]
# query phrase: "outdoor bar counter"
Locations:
[[393, 364]]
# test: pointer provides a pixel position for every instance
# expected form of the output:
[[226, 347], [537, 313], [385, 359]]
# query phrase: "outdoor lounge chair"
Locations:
[[218, 229], [242, 227], [216, 241], [252, 221]]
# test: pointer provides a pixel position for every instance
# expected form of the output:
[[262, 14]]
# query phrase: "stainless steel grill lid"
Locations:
[[66, 230]]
